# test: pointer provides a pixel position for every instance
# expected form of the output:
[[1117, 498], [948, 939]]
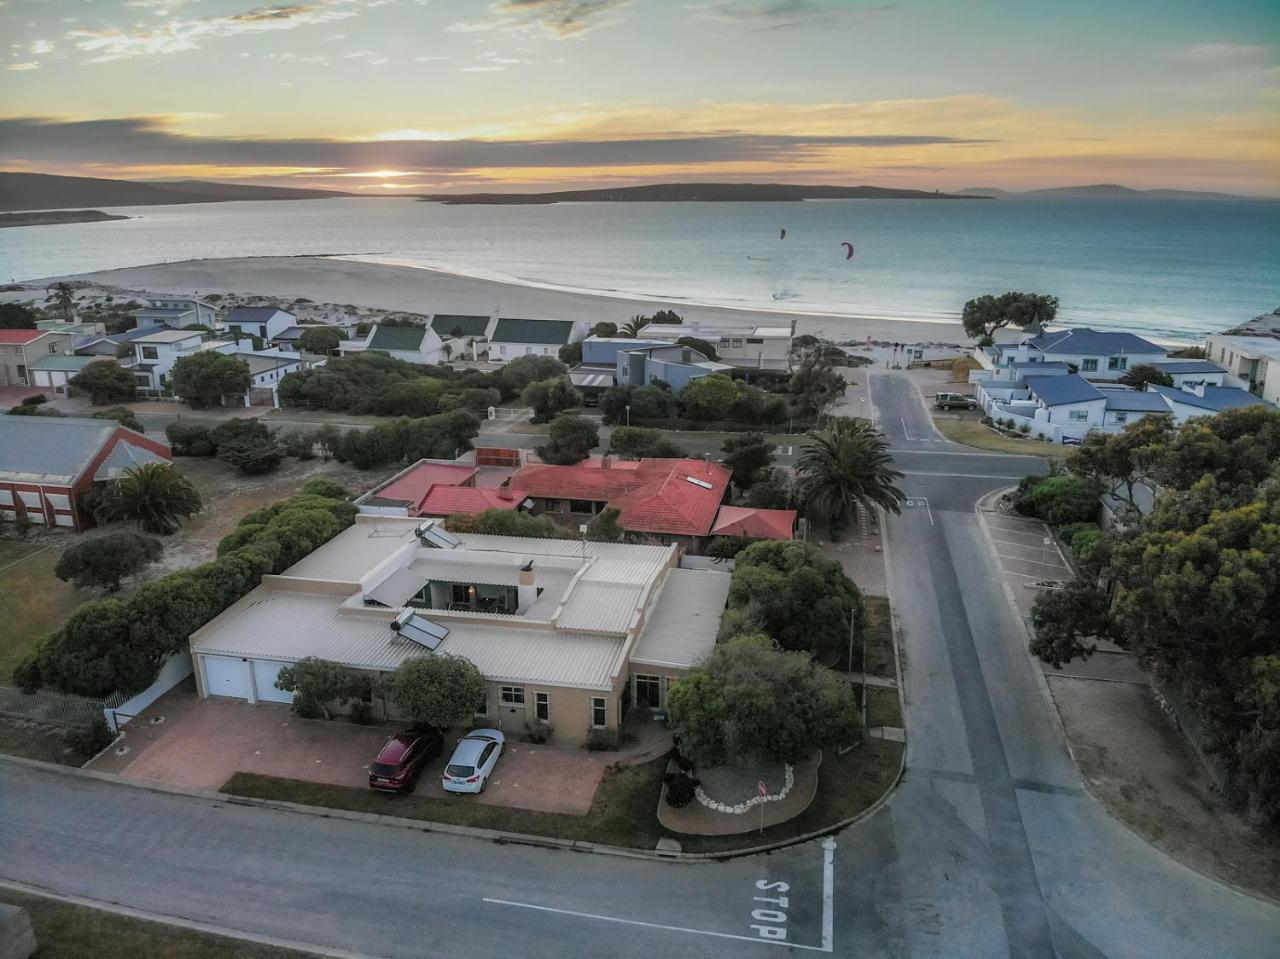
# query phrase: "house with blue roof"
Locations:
[[1095, 354], [1205, 400], [1186, 373]]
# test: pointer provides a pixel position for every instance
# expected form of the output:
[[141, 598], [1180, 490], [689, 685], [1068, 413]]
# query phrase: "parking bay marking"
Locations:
[[828, 919]]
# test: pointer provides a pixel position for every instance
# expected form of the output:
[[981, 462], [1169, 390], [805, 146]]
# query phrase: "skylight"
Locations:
[[701, 483]]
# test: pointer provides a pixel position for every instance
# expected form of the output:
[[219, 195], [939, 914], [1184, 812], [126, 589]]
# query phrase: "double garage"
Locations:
[[249, 679]]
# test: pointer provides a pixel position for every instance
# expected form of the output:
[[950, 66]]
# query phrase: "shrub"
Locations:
[[1083, 541], [105, 560], [93, 740], [1059, 499], [505, 522], [35, 400], [601, 740], [252, 457], [681, 790], [1024, 428], [537, 732], [190, 439]]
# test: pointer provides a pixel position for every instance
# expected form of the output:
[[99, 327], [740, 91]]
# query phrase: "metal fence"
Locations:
[[62, 709]]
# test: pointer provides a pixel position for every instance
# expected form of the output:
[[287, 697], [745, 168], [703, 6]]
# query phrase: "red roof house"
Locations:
[[676, 497], [755, 523], [410, 487], [450, 500]]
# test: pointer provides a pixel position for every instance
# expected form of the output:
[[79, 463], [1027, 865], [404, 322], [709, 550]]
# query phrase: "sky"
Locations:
[[412, 96]]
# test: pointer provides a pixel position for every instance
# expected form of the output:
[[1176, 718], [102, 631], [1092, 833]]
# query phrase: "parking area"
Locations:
[[1027, 553], [194, 743]]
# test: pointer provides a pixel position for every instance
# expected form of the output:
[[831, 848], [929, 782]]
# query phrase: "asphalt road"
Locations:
[[990, 847]]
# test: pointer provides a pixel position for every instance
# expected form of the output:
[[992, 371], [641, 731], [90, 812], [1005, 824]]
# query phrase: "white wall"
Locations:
[[177, 668]]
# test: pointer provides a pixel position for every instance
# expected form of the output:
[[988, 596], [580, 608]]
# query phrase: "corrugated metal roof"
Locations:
[[168, 336], [1084, 340], [1059, 390], [49, 449], [399, 338], [600, 607], [1215, 399], [1135, 401], [253, 314], [681, 631], [551, 332], [468, 325]]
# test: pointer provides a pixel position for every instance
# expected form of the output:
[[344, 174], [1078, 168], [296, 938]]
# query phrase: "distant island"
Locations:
[[52, 217], [699, 193], [1099, 191], [45, 191]]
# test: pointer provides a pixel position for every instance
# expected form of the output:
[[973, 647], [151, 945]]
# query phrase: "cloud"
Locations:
[[151, 141], [557, 19], [28, 65], [40, 46], [783, 14], [175, 36], [1229, 55]]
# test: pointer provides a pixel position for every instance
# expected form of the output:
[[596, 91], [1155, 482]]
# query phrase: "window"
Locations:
[[1078, 416], [528, 350], [542, 707], [736, 341], [150, 353], [648, 692], [1089, 366], [54, 347], [512, 696], [482, 709], [551, 505], [581, 506], [724, 341], [751, 339], [502, 351], [599, 711], [1118, 363], [1122, 417]]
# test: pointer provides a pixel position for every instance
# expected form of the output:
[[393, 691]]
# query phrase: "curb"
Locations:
[[1056, 717]]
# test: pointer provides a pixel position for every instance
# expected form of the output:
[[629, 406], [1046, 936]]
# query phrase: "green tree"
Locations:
[[570, 354], [748, 456], [252, 457], [1119, 462], [202, 379], [776, 491], [638, 442], [190, 439], [416, 398], [320, 683], [154, 495], [751, 703], [1144, 373], [523, 370], [605, 528], [319, 339], [122, 415], [509, 522], [792, 592], [18, 316], [547, 398], [1058, 499], [631, 329], [700, 345], [605, 329], [848, 465], [1069, 621], [64, 300], [573, 437], [105, 560], [437, 689], [985, 314], [105, 381], [709, 397]]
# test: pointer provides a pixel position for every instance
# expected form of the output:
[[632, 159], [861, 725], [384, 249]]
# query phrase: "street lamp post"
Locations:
[[628, 414]]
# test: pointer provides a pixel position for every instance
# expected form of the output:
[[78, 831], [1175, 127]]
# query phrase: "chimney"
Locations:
[[686, 355], [606, 462], [526, 589], [504, 489]]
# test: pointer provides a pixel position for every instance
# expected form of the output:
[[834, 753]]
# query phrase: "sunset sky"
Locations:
[[394, 96]]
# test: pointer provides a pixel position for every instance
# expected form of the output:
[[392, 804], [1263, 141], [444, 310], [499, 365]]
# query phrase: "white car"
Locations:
[[473, 761]]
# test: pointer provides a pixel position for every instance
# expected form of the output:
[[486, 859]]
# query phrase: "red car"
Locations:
[[397, 766]]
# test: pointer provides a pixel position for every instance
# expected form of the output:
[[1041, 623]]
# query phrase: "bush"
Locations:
[[1083, 541], [537, 732], [601, 740], [1024, 428], [105, 560], [91, 741], [190, 439], [35, 400], [506, 522], [252, 457], [1059, 499], [681, 790]]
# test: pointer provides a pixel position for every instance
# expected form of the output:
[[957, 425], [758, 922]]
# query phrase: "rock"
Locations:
[[1268, 324], [665, 847]]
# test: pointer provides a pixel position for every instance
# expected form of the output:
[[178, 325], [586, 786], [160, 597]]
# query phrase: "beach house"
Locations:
[[155, 353], [176, 313], [1095, 354], [511, 337], [566, 633], [264, 322], [412, 344], [753, 348], [1252, 363], [20, 350]]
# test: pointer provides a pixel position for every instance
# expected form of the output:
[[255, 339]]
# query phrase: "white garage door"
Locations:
[[226, 676], [264, 677]]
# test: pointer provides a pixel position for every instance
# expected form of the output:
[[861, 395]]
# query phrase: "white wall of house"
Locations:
[[277, 323], [162, 356], [510, 351], [1252, 366]]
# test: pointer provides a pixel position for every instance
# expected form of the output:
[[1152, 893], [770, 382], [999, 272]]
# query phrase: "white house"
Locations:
[[1193, 373], [1096, 354], [176, 312], [1252, 363], [264, 322], [755, 348], [413, 344], [267, 369], [155, 353], [512, 337], [1205, 400]]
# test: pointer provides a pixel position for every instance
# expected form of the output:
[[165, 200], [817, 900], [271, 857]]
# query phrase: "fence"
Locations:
[[61, 709]]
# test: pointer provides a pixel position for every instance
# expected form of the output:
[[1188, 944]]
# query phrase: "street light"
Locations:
[[628, 414]]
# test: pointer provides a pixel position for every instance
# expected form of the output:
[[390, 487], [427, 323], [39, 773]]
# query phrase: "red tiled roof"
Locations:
[[653, 495], [19, 336], [448, 500], [414, 485], [755, 523]]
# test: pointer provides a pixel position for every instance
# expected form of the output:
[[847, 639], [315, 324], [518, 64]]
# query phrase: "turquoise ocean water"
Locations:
[[1173, 269]]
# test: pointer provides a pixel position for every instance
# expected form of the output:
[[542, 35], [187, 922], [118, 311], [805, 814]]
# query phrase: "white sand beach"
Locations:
[[421, 290]]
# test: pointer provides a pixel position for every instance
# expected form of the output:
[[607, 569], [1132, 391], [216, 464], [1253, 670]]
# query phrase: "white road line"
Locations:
[[656, 925], [1011, 456], [1014, 542], [998, 476], [912, 500]]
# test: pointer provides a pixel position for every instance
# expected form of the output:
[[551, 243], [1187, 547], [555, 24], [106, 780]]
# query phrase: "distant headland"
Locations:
[[699, 193], [53, 217]]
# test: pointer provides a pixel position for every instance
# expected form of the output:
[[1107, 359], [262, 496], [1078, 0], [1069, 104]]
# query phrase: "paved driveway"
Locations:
[[201, 742]]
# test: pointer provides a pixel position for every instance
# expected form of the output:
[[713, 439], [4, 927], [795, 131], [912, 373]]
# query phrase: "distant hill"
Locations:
[[698, 193], [1103, 191], [44, 191]]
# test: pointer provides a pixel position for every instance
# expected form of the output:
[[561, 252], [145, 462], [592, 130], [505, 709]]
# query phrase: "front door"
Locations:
[[648, 692]]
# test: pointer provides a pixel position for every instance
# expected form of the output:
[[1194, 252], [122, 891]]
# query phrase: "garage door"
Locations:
[[226, 676], [264, 677]]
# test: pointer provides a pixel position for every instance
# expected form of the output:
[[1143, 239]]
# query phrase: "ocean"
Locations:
[[1167, 268]]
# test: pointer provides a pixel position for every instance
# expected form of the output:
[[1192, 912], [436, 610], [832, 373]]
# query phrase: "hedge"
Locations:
[[119, 644]]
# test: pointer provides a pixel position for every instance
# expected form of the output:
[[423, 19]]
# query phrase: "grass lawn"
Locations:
[[971, 432], [623, 813], [880, 660], [36, 601], [883, 707], [50, 744], [66, 931]]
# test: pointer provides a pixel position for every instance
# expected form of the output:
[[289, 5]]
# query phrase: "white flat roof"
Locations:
[[167, 336], [681, 631], [1257, 345]]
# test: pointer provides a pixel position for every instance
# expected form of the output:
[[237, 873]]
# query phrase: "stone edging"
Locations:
[[1056, 718], [739, 808]]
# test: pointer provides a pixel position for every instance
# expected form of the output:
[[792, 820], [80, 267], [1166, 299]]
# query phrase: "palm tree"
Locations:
[[631, 329], [848, 465], [154, 495]]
